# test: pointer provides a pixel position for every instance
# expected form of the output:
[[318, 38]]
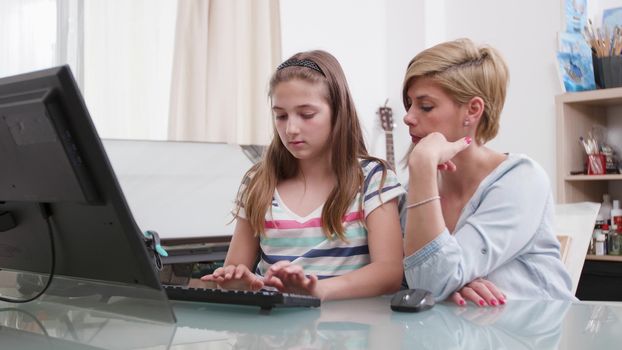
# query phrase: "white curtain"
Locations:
[[128, 55], [38, 34], [225, 52]]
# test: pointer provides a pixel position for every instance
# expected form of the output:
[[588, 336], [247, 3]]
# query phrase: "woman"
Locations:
[[473, 212]]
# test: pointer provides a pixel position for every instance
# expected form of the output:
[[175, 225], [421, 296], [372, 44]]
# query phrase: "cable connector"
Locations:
[[152, 239]]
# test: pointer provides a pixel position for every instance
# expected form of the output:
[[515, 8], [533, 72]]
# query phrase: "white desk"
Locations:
[[351, 324]]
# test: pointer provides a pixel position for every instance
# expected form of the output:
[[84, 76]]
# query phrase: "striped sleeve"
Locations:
[[376, 191]]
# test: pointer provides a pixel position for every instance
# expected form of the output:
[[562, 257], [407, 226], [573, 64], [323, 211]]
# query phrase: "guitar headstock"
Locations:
[[386, 118]]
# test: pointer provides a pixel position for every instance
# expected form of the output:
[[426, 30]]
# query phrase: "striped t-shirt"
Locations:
[[302, 241]]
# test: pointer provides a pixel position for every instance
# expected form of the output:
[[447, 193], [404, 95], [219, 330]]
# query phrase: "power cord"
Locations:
[[45, 212]]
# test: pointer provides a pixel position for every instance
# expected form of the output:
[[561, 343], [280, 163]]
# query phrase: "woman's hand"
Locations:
[[440, 151], [481, 292], [235, 277], [290, 278]]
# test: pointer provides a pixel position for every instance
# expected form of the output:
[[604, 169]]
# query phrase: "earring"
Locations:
[[466, 122]]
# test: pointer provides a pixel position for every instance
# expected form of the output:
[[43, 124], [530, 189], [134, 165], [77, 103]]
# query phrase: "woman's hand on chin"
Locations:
[[435, 149]]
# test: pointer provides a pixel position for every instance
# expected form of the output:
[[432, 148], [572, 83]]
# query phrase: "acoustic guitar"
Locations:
[[386, 121]]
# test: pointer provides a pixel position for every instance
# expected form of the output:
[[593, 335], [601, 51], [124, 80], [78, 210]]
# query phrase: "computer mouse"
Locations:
[[412, 300]]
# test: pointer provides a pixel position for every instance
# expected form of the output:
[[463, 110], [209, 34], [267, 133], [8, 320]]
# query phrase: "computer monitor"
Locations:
[[52, 163]]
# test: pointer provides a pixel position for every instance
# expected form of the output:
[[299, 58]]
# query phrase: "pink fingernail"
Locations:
[[482, 302], [502, 301], [461, 302], [468, 140], [493, 302]]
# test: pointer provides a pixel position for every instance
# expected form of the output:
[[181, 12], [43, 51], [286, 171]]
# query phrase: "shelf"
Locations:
[[593, 177], [615, 258], [601, 97], [577, 113]]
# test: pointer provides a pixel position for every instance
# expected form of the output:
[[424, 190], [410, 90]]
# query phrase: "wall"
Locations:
[[355, 31], [374, 40], [528, 120]]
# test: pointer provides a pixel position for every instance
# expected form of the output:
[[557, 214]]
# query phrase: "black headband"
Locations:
[[301, 63]]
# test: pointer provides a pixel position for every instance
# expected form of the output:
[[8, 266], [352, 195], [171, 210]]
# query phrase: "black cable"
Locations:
[[45, 211]]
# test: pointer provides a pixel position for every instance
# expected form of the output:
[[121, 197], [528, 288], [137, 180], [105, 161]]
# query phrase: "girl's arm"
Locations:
[[244, 245], [241, 256], [383, 275]]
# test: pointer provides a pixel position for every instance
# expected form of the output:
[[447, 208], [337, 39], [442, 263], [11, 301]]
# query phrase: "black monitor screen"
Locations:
[[52, 163]]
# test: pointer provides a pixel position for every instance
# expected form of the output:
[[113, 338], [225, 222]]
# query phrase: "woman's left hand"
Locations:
[[481, 292], [290, 278]]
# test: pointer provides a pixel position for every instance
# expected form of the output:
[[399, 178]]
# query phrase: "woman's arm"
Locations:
[[509, 213], [425, 222]]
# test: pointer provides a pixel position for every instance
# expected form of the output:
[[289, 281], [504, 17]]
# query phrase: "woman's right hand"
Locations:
[[237, 277], [481, 292], [440, 151]]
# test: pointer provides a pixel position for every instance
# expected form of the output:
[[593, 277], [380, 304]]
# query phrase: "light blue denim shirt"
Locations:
[[504, 234]]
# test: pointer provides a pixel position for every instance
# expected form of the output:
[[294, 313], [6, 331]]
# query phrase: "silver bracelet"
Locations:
[[414, 205]]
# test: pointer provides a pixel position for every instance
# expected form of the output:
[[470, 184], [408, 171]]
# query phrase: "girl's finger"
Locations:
[[240, 271]]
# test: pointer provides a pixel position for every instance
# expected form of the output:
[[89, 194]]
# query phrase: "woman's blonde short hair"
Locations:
[[464, 70]]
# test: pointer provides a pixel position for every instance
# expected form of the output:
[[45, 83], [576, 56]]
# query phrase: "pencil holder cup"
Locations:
[[607, 71], [596, 164]]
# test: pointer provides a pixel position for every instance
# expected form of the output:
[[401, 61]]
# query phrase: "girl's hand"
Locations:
[[289, 278], [436, 148], [235, 277], [481, 292]]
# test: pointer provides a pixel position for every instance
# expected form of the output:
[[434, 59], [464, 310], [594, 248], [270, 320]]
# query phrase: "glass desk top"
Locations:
[[350, 324]]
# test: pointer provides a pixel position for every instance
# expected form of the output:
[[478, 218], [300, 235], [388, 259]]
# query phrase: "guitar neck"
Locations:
[[389, 148]]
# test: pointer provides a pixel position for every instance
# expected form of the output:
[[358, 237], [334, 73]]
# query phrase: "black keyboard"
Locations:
[[265, 299]]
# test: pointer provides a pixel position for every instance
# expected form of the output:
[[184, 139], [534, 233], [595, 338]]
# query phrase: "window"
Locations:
[[120, 53]]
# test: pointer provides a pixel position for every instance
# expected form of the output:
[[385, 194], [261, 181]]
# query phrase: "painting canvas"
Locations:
[[575, 63], [575, 15]]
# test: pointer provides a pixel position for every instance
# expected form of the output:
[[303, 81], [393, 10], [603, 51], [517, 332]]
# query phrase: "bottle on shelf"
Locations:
[[604, 213], [615, 242], [599, 245], [592, 247], [616, 215], [606, 231]]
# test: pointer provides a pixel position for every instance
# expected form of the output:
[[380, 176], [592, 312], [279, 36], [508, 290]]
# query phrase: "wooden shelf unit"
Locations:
[[614, 258], [576, 113]]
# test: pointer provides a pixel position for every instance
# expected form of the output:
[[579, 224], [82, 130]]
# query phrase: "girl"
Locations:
[[485, 214], [318, 212]]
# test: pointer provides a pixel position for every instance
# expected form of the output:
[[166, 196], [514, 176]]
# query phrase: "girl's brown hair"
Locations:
[[347, 149]]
